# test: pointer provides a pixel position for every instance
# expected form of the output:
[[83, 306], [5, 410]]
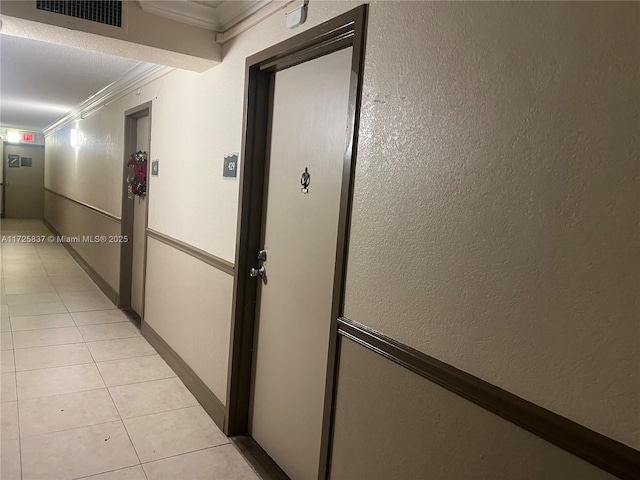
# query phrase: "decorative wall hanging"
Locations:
[[138, 181]]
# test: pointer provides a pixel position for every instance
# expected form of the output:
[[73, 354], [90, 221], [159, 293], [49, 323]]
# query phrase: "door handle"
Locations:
[[261, 271], [258, 272]]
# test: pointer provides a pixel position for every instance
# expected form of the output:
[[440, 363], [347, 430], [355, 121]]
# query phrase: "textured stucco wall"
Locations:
[[495, 219]]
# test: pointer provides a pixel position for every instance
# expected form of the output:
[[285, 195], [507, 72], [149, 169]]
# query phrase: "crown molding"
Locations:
[[264, 12], [133, 78], [216, 17], [191, 13], [231, 13]]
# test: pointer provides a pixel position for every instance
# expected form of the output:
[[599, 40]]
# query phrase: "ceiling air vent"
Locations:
[[108, 12]]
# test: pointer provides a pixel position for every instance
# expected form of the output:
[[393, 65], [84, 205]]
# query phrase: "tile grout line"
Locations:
[[187, 453], [68, 343], [40, 314], [17, 399], [52, 345], [18, 415], [66, 393], [15, 379], [87, 363], [59, 366], [50, 280], [158, 413], [75, 428], [92, 389], [119, 415], [143, 381], [110, 471]]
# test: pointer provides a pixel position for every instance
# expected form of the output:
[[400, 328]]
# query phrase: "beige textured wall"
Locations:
[[92, 172], [71, 219], [495, 219], [393, 424], [187, 302]]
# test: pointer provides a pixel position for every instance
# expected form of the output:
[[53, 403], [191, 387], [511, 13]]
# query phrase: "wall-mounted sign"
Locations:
[[155, 167], [26, 161], [230, 166], [14, 161], [28, 137]]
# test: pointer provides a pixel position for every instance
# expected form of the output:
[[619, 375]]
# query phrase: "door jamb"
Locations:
[[126, 229], [346, 30]]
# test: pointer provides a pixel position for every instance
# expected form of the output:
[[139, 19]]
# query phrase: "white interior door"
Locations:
[[139, 228], [309, 131]]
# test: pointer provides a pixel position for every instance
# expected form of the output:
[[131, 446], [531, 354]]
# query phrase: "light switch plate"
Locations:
[[155, 166]]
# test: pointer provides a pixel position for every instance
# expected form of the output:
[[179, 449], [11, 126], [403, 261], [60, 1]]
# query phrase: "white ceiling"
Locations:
[[41, 82]]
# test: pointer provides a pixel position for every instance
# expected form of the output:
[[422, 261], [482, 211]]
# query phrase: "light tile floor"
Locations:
[[83, 394]]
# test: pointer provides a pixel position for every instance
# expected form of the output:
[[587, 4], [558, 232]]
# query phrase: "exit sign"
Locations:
[[27, 137]]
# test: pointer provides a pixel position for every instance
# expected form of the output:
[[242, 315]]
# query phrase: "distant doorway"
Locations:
[[133, 254], [23, 181]]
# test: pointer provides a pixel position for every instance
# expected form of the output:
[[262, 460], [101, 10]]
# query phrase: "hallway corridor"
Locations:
[[83, 393]]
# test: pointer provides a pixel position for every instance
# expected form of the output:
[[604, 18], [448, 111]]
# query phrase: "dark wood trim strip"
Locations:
[[597, 449], [259, 459], [107, 289], [86, 205], [217, 262], [196, 386]]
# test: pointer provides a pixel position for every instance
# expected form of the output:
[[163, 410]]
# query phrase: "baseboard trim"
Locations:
[[211, 404], [593, 447], [95, 276], [259, 459]]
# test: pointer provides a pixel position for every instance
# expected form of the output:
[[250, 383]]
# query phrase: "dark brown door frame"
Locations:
[[347, 30], [126, 248]]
